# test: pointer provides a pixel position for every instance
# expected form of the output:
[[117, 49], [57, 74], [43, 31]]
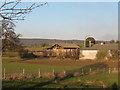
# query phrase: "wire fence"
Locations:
[[81, 72]]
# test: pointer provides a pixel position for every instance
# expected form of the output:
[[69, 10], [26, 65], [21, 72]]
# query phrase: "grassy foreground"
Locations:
[[32, 66], [14, 66], [88, 81]]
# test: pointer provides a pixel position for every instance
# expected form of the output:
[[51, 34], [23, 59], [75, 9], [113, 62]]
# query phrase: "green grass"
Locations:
[[37, 47], [14, 66], [10, 54], [33, 68], [106, 78], [34, 47], [22, 83], [69, 82]]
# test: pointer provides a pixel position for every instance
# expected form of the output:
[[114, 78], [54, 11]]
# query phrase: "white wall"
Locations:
[[88, 54]]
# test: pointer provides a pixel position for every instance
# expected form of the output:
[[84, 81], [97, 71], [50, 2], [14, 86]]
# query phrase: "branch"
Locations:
[[13, 13], [6, 4], [14, 9]]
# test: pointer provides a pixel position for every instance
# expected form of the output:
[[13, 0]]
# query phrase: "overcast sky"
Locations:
[[71, 20]]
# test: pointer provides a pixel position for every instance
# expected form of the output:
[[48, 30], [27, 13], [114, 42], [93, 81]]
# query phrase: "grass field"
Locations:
[[10, 54], [31, 66], [14, 66], [69, 82]]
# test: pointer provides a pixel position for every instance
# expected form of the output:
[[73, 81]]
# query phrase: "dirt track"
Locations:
[[102, 63]]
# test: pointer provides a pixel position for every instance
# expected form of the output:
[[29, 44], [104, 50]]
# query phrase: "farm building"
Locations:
[[91, 52], [63, 50], [90, 41]]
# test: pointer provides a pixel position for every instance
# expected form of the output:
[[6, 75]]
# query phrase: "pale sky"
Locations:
[[71, 20]]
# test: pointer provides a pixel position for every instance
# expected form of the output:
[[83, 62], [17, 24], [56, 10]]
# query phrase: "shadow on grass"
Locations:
[[52, 81], [32, 84], [95, 66], [28, 84], [31, 58]]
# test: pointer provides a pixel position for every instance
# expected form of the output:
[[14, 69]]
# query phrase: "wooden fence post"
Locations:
[[90, 70], [64, 72], [4, 74], [39, 73], [114, 69], [53, 71]]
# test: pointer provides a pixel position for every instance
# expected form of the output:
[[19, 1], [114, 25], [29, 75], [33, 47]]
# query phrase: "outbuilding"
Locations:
[[64, 50], [91, 52]]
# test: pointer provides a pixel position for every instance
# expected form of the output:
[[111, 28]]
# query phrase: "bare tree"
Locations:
[[11, 11]]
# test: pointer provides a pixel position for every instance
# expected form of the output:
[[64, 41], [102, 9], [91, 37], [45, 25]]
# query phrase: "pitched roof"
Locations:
[[66, 45], [103, 47]]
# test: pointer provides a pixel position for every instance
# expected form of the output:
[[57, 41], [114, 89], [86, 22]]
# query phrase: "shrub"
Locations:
[[25, 54], [73, 55], [114, 54], [102, 54], [76, 74], [61, 57], [114, 86], [48, 75]]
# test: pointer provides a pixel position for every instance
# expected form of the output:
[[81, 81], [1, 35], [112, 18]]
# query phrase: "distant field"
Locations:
[[16, 65], [10, 54], [88, 81], [34, 47]]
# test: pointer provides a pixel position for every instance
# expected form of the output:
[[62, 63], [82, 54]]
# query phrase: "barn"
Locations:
[[63, 50], [91, 52]]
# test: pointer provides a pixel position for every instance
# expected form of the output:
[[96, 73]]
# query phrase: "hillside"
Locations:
[[41, 41], [32, 41]]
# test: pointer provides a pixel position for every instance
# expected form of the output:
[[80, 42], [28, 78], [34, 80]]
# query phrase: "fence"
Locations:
[[53, 74]]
